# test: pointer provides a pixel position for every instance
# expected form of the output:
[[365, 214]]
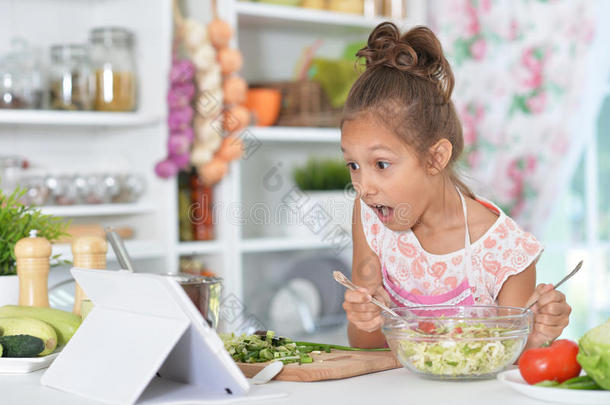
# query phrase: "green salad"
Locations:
[[459, 350]]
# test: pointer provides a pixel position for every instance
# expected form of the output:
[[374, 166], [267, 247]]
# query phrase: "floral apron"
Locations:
[[461, 295]]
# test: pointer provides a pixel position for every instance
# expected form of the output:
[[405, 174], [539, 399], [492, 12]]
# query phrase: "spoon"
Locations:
[[563, 280], [119, 249], [346, 282], [266, 374]]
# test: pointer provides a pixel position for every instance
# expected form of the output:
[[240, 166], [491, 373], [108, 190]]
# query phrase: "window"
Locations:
[[580, 229]]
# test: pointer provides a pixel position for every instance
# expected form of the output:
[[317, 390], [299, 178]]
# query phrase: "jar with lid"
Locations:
[[70, 80], [20, 77], [112, 57]]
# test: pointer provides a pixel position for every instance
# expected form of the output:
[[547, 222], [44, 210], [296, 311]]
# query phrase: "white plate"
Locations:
[[21, 365], [513, 379]]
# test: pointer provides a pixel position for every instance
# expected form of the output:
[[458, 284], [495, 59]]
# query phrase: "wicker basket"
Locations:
[[304, 104]]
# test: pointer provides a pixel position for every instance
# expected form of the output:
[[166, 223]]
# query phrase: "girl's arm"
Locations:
[[551, 312], [366, 272], [517, 289]]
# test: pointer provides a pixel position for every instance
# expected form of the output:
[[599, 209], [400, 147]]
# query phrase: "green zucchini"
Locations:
[[64, 323], [21, 346]]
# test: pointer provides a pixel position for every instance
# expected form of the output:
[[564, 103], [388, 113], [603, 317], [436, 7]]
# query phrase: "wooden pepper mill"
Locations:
[[33, 257], [89, 252]]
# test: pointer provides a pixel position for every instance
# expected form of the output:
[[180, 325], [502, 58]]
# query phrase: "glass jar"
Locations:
[[70, 78], [11, 170], [113, 62], [20, 77], [10, 96]]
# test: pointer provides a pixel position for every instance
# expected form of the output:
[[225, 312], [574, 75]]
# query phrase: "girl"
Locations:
[[421, 237]]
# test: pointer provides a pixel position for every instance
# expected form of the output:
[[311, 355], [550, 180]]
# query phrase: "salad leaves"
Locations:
[[594, 354], [467, 350]]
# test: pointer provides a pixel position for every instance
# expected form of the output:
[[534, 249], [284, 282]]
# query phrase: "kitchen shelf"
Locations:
[[93, 210], [295, 134], [256, 245], [137, 249], [198, 247], [263, 15], [76, 118]]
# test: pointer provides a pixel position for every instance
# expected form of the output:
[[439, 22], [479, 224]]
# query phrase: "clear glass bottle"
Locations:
[[70, 80], [112, 56]]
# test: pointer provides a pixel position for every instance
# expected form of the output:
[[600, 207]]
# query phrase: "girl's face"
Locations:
[[385, 172]]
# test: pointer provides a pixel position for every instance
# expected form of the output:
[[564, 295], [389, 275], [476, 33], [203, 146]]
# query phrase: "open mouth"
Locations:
[[383, 212]]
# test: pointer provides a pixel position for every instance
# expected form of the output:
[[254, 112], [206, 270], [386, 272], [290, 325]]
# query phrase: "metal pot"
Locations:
[[205, 292]]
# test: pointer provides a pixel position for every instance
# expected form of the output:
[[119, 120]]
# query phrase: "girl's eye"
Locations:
[[352, 166], [383, 165]]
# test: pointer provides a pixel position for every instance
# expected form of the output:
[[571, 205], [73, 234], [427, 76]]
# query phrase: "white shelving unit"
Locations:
[[262, 14], [261, 245], [296, 134], [199, 247], [76, 118], [270, 37], [137, 249], [70, 142], [97, 210]]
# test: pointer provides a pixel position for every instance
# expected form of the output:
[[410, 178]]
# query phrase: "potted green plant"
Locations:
[[326, 183], [16, 222]]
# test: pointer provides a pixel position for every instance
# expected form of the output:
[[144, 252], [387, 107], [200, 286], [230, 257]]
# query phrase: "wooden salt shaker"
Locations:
[[33, 257], [89, 252]]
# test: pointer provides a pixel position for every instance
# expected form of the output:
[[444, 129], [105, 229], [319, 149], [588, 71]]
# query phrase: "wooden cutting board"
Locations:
[[330, 366]]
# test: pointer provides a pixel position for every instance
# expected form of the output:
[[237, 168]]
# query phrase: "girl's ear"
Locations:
[[439, 156]]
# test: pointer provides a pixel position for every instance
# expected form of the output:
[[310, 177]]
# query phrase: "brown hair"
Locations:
[[407, 85]]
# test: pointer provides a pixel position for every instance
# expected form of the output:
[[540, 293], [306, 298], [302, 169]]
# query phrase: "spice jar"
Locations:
[[113, 62], [202, 209], [70, 78]]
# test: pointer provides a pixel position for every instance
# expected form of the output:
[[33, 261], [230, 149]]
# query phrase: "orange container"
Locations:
[[265, 104]]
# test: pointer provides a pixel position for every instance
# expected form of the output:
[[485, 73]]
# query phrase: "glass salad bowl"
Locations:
[[457, 342]]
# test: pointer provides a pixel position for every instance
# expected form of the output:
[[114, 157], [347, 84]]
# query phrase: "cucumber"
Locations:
[[32, 327], [21, 346], [65, 323], [1, 350]]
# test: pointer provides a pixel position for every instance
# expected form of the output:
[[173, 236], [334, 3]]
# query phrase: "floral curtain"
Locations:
[[520, 67]]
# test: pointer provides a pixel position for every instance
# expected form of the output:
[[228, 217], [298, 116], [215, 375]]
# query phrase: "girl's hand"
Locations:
[[551, 313], [361, 312]]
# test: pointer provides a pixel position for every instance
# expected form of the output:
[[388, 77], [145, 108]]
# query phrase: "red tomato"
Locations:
[[426, 327], [556, 362]]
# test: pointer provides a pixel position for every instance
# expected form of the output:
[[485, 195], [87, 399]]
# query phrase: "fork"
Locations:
[[346, 282], [578, 266]]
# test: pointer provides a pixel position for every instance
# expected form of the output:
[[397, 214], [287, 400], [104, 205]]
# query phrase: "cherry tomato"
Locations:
[[556, 362], [426, 327]]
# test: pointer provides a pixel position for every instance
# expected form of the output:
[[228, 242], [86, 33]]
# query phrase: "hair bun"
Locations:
[[418, 53]]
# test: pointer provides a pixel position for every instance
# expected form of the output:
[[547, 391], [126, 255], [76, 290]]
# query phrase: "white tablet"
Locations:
[[143, 332]]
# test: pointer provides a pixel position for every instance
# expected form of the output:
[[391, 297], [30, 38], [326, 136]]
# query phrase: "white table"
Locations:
[[388, 387]]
